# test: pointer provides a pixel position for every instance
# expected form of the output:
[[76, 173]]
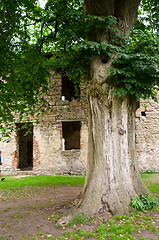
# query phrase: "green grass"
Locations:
[[47, 180], [12, 183], [42, 181], [78, 219], [118, 227], [153, 187], [146, 175]]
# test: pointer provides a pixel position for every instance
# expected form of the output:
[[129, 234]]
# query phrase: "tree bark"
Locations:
[[112, 174], [124, 10]]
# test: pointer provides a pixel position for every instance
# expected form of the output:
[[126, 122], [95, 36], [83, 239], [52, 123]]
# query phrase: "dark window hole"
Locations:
[[143, 114], [69, 90], [71, 135], [104, 61]]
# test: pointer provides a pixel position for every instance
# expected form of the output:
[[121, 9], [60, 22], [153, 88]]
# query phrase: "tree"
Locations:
[[94, 45], [23, 69], [112, 177], [112, 174]]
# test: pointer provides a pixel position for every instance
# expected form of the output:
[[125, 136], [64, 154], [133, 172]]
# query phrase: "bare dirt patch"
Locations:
[[33, 210]]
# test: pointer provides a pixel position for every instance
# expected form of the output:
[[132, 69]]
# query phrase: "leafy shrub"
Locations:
[[143, 203], [149, 202]]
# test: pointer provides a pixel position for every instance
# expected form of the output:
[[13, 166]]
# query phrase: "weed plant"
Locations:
[[144, 203]]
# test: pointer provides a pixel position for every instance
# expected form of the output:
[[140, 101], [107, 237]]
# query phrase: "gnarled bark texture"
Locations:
[[112, 175]]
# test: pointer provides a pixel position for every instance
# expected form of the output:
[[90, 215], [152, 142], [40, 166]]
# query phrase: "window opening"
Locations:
[[25, 145], [71, 135], [104, 61], [143, 114], [69, 90]]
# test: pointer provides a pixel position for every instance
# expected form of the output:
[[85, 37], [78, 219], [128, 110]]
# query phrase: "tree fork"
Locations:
[[124, 10]]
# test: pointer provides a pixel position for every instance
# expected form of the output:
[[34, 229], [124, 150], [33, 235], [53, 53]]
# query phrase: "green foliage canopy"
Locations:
[[23, 69], [134, 71], [28, 32]]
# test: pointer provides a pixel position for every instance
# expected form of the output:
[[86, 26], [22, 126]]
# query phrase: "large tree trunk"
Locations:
[[112, 174]]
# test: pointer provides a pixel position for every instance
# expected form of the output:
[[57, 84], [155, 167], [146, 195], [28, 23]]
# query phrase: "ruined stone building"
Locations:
[[58, 143], [147, 135]]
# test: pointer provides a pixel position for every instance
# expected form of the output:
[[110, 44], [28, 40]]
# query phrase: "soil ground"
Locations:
[[31, 213]]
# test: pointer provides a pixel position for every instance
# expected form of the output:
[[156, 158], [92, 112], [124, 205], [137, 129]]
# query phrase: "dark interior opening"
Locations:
[[69, 90], [143, 114], [71, 134], [104, 61], [25, 145]]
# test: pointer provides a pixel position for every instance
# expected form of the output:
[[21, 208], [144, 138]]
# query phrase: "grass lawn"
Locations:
[[14, 183], [136, 225]]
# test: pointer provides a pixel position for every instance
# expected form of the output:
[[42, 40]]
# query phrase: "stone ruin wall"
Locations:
[[147, 135], [48, 154], [49, 133]]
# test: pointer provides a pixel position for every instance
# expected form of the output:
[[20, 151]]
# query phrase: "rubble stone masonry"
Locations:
[[49, 155], [147, 135]]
